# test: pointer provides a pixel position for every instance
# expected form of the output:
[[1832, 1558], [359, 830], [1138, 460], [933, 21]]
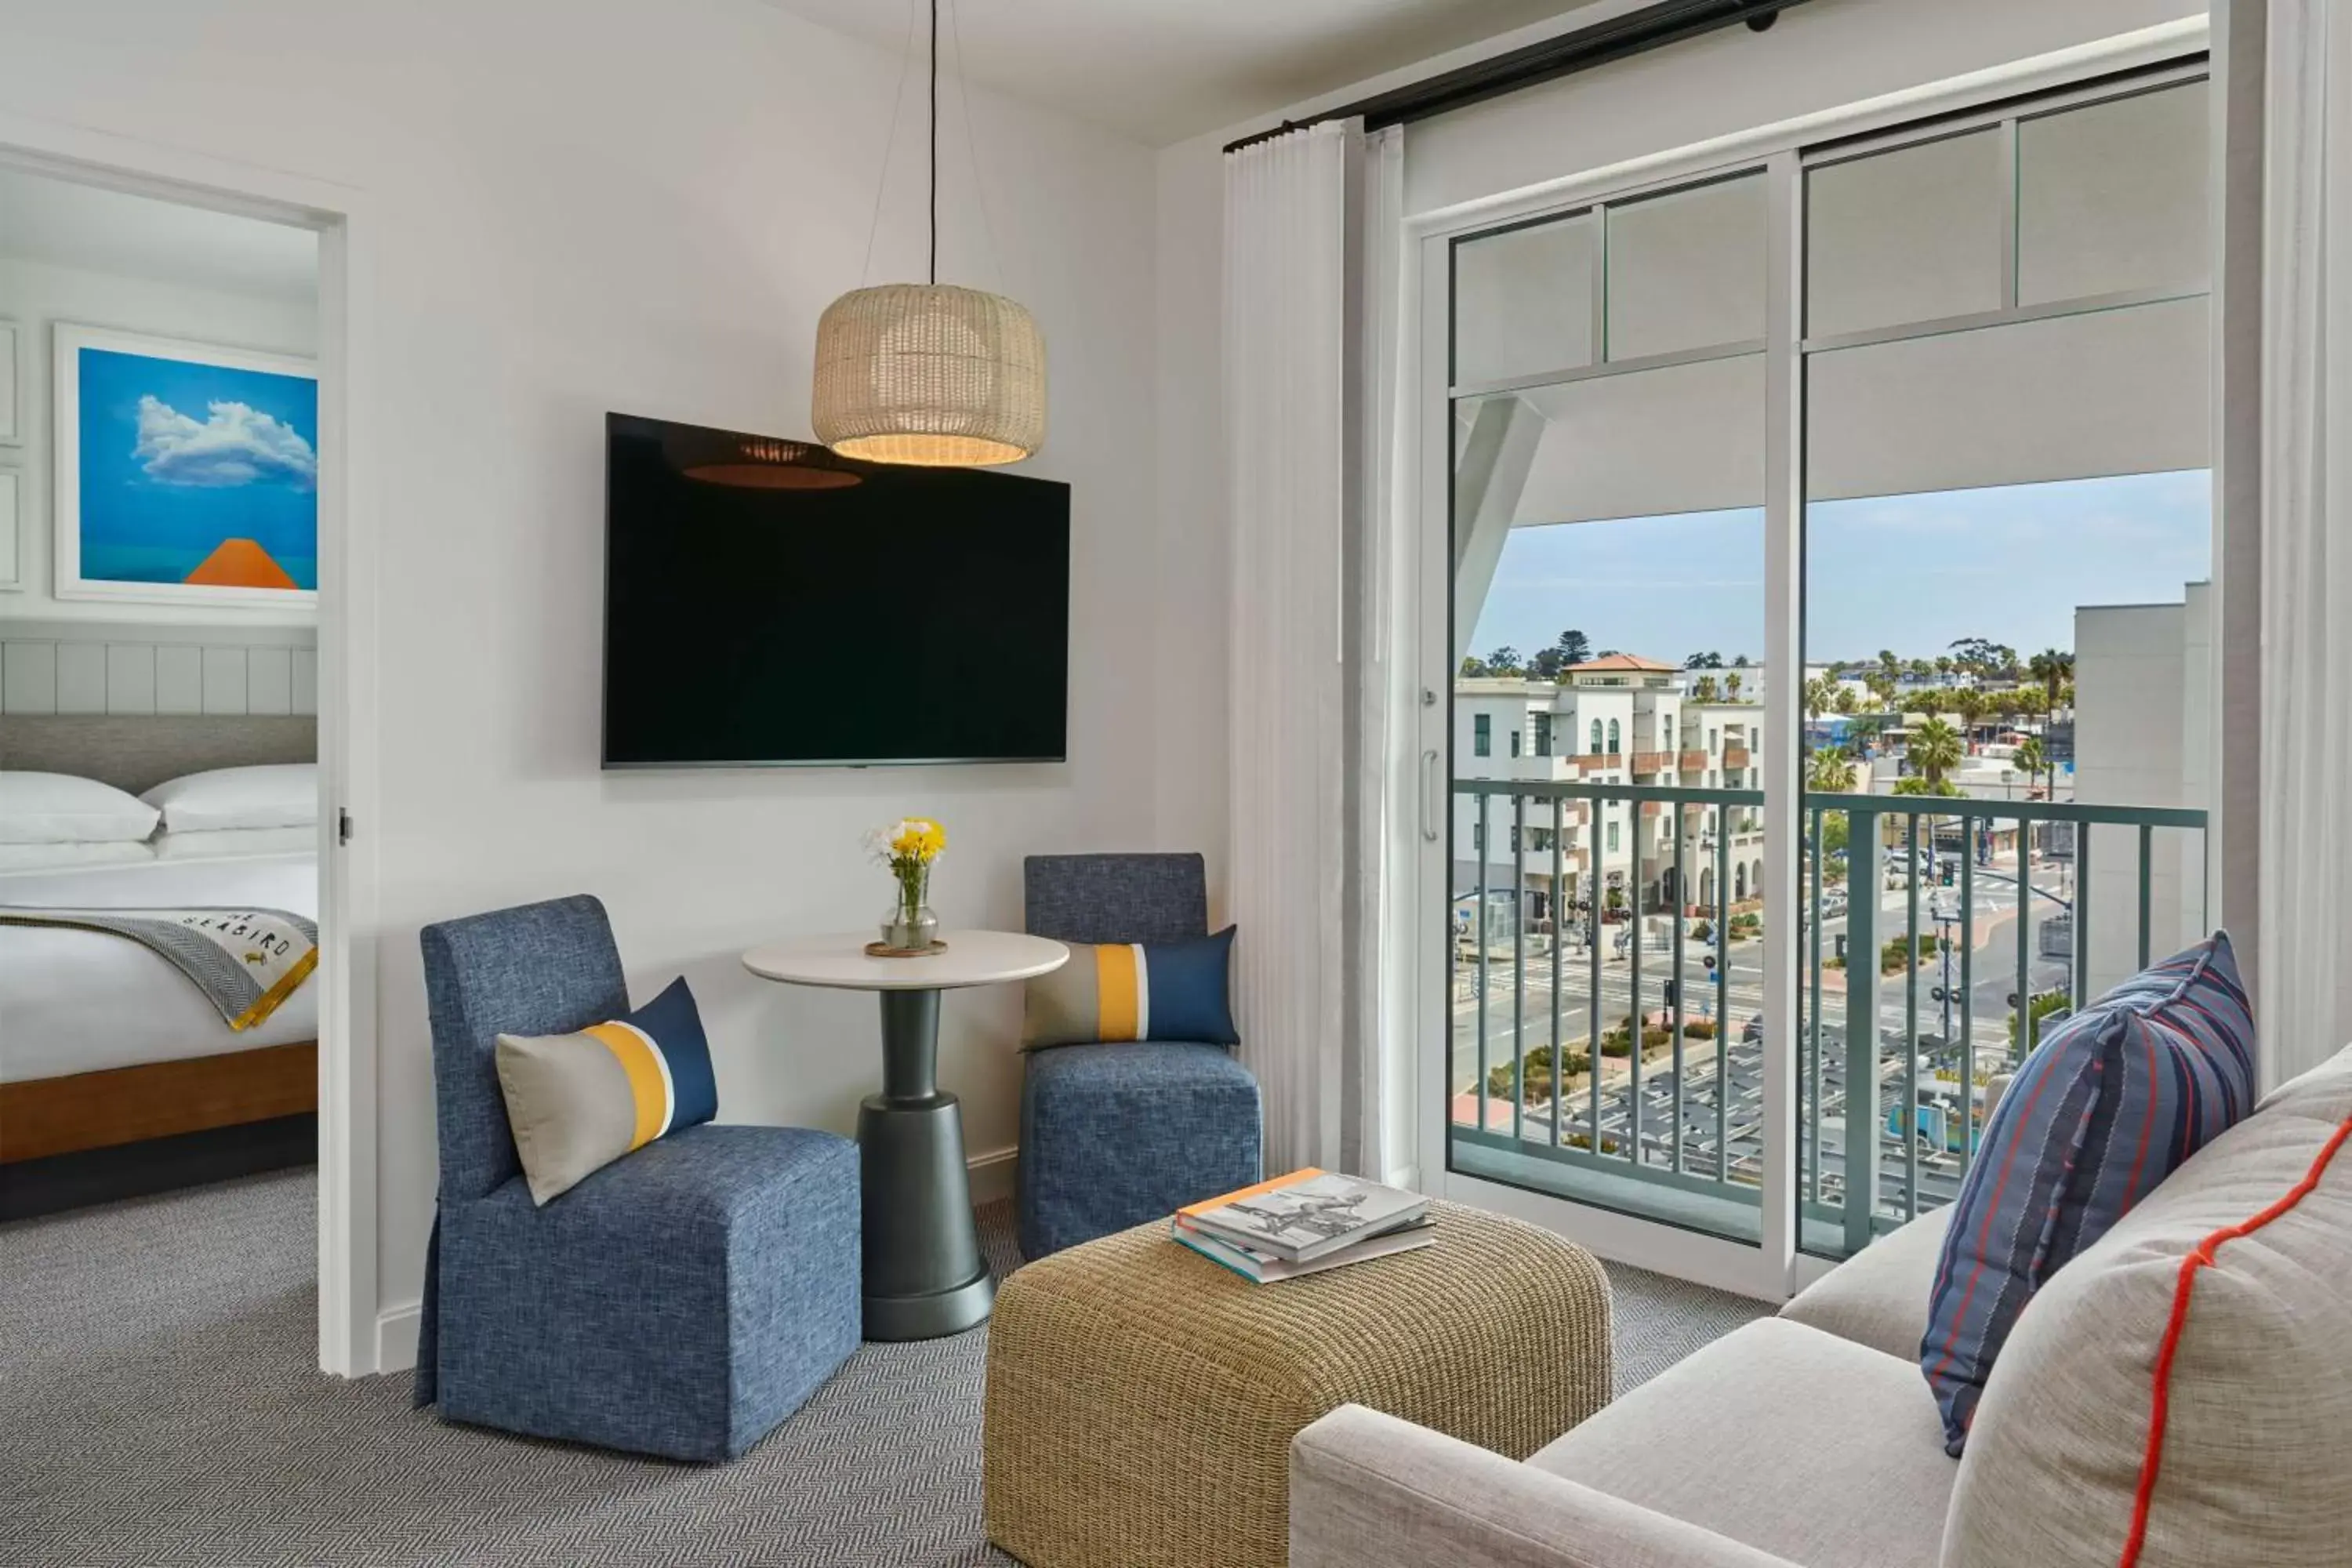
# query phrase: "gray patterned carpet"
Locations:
[[160, 1404]]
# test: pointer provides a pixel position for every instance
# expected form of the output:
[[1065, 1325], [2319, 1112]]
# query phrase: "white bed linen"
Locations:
[[81, 1001]]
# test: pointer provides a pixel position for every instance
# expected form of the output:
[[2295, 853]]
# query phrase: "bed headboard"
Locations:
[[136, 753]]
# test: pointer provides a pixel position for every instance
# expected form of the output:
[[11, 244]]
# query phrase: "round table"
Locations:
[[924, 1275]]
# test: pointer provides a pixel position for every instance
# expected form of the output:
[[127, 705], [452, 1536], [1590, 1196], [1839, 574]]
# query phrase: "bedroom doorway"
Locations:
[[175, 737]]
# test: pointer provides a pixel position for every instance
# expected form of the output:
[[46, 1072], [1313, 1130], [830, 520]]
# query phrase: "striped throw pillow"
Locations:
[[1135, 991], [2112, 1101], [578, 1102]]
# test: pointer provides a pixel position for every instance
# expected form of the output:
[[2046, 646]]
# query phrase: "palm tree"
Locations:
[[1702, 688], [1889, 666], [2032, 759], [1821, 692], [1832, 771], [1935, 751], [1731, 686], [1970, 705], [1846, 702], [2051, 667], [1882, 686]]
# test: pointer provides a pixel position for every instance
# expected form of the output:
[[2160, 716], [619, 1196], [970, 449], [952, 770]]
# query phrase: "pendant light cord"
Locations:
[[935, 141]]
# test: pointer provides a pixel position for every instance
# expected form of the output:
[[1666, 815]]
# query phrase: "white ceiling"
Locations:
[[1163, 70], [65, 225]]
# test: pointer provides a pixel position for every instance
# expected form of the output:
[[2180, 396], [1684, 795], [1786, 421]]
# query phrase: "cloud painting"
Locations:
[[195, 480]]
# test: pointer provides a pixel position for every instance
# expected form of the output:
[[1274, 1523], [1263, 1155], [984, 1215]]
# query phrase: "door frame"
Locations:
[[342, 218], [1775, 1269]]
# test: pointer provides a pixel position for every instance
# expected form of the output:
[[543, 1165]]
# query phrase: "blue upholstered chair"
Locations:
[[680, 1302], [1113, 1135]]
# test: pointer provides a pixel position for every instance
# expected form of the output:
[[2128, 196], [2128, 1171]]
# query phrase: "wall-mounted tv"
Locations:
[[768, 604]]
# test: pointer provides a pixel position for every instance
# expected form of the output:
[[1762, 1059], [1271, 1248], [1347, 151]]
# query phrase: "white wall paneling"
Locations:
[[12, 397], [12, 514], [49, 667]]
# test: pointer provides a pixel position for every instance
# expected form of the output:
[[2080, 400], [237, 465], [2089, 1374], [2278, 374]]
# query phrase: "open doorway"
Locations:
[[167, 495]]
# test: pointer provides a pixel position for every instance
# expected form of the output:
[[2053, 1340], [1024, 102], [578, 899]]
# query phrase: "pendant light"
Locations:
[[930, 374]]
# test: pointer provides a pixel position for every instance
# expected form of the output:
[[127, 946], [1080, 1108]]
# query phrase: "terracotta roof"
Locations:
[[1624, 661]]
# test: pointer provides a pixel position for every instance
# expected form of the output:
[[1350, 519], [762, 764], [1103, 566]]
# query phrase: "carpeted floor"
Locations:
[[160, 1404]]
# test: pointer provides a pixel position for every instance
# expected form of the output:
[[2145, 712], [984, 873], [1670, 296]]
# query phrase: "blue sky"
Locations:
[[177, 457], [1907, 572]]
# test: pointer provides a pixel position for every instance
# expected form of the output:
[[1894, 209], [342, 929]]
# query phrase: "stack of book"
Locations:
[[1304, 1223]]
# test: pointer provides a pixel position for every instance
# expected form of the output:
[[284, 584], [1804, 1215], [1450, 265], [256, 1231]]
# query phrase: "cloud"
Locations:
[[239, 445]]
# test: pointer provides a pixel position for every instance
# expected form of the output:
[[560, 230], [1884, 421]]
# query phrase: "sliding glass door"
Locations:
[[1826, 646]]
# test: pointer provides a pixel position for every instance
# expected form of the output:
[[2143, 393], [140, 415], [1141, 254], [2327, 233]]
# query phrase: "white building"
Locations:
[[1621, 719], [2144, 736]]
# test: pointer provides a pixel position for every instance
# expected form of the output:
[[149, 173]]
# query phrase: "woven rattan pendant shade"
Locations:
[[928, 374]]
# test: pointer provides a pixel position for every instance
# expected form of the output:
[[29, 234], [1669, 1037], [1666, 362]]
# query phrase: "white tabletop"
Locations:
[[972, 958]]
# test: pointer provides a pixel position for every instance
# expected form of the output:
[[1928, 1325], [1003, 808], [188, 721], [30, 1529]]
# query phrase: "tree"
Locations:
[[1574, 647], [1845, 700], [1915, 785], [1832, 771], [1702, 688], [1546, 664], [1970, 705], [1889, 666], [1731, 686], [1821, 693], [2031, 759], [1935, 751], [1472, 668], [1504, 660], [2051, 667], [1704, 661], [1740, 662], [1881, 687]]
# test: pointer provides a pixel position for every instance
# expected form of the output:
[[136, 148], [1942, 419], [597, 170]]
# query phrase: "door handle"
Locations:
[[1429, 789]]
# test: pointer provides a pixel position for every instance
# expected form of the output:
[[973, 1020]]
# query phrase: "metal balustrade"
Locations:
[[1676, 1130]]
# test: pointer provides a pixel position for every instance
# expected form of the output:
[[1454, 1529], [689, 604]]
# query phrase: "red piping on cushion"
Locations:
[[2201, 1257]]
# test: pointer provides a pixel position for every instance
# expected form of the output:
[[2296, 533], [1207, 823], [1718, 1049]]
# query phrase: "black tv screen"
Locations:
[[767, 602]]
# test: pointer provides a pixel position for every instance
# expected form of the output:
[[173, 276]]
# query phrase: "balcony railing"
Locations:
[[1611, 1048]]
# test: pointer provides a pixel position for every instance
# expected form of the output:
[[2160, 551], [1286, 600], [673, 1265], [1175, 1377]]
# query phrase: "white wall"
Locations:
[[36, 295], [591, 204]]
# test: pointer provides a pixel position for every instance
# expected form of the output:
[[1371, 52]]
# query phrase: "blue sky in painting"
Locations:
[[1906, 573], [176, 458]]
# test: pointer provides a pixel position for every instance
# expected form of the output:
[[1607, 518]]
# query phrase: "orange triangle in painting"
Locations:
[[240, 564]]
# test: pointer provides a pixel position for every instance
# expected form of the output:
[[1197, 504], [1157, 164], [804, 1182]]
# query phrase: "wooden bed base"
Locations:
[[124, 1105]]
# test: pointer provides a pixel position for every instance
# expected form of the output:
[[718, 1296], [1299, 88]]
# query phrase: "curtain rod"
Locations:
[[1635, 32]]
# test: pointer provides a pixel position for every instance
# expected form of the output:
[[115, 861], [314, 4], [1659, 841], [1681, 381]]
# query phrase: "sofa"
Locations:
[[2176, 1396]]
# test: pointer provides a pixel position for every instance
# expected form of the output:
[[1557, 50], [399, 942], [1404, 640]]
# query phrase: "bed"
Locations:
[[105, 1043]]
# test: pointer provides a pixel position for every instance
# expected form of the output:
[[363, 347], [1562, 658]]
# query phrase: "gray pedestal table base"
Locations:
[[924, 1275]]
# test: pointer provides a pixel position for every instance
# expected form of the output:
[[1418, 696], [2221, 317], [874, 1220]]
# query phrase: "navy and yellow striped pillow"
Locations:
[[578, 1102], [1135, 991]]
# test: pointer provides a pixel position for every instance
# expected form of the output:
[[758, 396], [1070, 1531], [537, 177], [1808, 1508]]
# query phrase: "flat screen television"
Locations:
[[768, 604]]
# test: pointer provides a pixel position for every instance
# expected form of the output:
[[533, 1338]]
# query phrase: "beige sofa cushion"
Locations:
[[2245, 1463], [1879, 1297], [1785, 1438]]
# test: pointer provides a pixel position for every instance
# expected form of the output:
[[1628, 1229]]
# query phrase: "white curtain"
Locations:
[[1381, 806], [2305, 984], [1286, 351]]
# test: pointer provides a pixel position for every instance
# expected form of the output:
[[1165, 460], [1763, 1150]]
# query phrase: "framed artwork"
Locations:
[[12, 430], [12, 571], [186, 473]]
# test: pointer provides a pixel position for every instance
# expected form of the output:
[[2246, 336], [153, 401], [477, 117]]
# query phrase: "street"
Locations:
[[1518, 1017]]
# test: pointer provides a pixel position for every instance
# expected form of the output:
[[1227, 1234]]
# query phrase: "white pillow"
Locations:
[[229, 842], [71, 856], [59, 808], [276, 794]]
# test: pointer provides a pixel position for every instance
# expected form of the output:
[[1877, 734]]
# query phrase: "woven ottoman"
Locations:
[[1141, 1399]]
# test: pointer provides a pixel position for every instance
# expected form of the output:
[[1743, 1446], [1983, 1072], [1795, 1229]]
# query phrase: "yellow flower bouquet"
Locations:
[[909, 847]]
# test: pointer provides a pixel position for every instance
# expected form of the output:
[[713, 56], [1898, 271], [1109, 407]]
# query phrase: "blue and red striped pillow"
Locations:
[[2111, 1103]]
